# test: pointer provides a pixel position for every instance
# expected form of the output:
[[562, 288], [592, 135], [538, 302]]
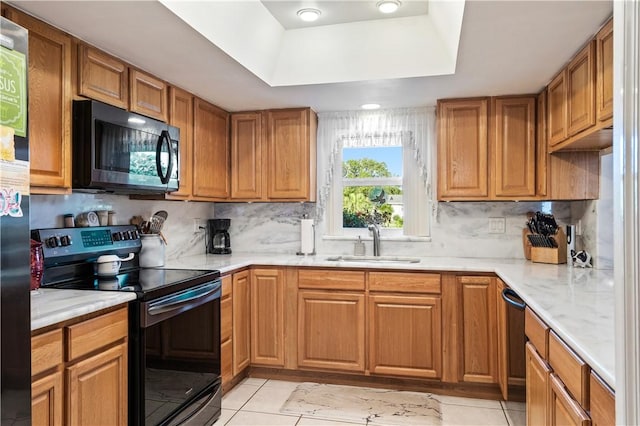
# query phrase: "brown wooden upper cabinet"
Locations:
[[581, 84], [111, 80], [463, 149], [573, 175], [506, 157], [273, 155], [103, 77], [291, 154], [580, 98], [604, 60], [49, 105], [557, 110], [514, 146], [247, 156], [147, 95], [181, 116], [211, 152]]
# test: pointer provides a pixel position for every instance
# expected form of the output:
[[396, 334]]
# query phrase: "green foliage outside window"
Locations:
[[363, 205]]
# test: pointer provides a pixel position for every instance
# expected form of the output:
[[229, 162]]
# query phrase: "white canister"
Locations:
[[152, 251]]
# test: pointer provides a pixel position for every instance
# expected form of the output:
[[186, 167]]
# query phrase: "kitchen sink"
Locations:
[[381, 259]]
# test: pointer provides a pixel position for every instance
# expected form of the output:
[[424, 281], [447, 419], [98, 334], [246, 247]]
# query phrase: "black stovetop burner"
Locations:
[[147, 283]]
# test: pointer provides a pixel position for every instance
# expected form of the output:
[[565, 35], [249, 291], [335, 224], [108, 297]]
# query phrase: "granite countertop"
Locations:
[[578, 304]]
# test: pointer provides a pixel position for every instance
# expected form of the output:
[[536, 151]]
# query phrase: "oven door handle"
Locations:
[[185, 300]]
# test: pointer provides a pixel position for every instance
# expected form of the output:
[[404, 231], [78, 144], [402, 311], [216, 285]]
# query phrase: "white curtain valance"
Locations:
[[411, 128]]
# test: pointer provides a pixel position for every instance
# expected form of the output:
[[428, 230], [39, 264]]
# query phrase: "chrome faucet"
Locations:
[[375, 229]]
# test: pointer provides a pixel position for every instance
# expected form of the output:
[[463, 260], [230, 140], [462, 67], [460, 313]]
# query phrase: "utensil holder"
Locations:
[[152, 251], [556, 255]]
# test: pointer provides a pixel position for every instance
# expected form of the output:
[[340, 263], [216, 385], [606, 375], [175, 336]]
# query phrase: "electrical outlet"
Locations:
[[196, 225], [579, 227], [497, 225]]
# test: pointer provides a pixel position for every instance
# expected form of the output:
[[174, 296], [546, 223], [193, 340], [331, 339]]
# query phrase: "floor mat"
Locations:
[[377, 406]]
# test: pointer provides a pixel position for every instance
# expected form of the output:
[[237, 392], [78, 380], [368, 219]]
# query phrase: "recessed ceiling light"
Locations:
[[388, 6], [309, 14], [370, 106]]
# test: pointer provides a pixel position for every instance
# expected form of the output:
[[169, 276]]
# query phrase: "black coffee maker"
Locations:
[[218, 241]]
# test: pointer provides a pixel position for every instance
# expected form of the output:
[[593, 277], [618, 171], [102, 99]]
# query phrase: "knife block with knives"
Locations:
[[544, 241], [545, 254]]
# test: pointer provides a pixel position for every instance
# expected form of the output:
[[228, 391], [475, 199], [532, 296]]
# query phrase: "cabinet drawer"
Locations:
[[404, 282], [226, 319], [537, 332], [330, 279], [572, 370], [96, 333], [46, 351]]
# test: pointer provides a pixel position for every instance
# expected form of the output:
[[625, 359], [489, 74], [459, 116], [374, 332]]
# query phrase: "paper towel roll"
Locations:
[[306, 236]]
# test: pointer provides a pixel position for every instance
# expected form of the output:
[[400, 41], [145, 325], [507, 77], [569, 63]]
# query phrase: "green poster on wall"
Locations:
[[13, 91]]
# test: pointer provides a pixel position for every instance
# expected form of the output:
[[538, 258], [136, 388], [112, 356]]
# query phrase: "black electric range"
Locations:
[[174, 323], [69, 255]]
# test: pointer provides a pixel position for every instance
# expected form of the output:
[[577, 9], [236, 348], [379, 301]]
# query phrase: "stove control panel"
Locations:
[[61, 245]]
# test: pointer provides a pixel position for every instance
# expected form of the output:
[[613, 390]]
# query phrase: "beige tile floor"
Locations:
[[257, 402]]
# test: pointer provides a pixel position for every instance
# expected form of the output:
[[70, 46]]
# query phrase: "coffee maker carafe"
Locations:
[[219, 241]]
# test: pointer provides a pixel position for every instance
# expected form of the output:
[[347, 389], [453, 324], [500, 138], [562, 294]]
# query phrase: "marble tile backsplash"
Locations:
[[458, 229], [47, 211]]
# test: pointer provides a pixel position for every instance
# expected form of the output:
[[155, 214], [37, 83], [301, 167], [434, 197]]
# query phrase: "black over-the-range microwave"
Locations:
[[122, 152]]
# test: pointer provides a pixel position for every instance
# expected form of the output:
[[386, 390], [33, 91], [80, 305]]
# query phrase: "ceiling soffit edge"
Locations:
[[417, 46]]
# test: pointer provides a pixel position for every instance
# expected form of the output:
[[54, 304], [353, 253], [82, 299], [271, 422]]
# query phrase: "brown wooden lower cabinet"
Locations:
[[479, 347], [47, 400], [241, 296], [405, 335], [226, 362], [563, 409], [444, 328], [537, 388], [226, 330], [602, 402], [561, 389], [89, 385], [331, 330], [267, 317], [97, 389]]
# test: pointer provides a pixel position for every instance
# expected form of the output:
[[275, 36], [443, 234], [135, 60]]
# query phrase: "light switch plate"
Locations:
[[497, 225]]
